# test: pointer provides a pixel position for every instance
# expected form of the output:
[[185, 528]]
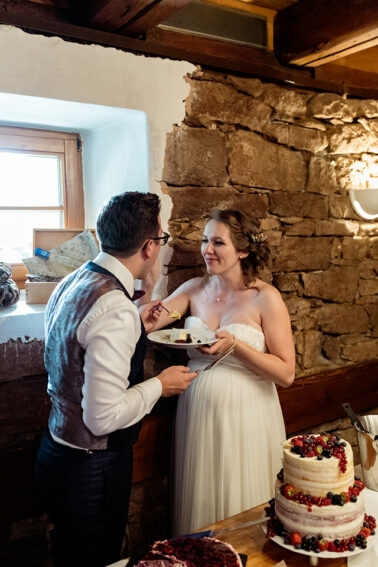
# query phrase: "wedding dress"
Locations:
[[228, 437]]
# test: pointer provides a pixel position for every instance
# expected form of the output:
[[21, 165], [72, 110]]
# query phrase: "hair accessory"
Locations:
[[257, 237]]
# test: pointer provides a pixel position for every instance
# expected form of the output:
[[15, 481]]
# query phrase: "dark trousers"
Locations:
[[87, 497]]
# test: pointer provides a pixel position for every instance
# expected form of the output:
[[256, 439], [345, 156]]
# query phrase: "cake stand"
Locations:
[[314, 557]]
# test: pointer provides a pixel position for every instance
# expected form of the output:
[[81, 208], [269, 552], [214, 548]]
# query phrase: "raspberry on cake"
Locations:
[[317, 497], [191, 552]]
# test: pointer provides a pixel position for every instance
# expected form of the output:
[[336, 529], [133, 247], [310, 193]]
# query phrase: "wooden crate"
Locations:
[[47, 238]]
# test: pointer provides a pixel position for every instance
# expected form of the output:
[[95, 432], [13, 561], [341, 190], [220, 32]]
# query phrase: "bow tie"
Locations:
[[138, 293]]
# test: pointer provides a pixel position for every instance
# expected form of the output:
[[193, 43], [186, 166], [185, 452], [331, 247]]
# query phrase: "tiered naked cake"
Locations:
[[318, 503]]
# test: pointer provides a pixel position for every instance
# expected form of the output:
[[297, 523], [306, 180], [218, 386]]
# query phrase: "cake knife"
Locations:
[[241, 526], [214, 362]]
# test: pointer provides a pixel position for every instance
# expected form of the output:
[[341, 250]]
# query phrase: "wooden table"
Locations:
[[262, 552]]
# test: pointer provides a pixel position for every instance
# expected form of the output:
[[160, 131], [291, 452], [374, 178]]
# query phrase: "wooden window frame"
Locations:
[[66, 146]]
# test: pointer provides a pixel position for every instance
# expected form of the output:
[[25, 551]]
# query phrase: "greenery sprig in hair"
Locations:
[[257, 237]]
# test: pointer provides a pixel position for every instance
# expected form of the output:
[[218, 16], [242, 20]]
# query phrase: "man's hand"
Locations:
[[150, 313], [175, 380]]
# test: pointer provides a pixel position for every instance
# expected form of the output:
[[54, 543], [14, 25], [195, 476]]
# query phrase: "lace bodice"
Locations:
[[246, 333]]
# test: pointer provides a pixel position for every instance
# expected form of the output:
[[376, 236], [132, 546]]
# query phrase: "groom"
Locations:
[[94, 353]]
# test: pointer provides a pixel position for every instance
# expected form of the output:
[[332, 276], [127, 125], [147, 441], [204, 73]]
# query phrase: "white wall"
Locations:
[[49, 67], [115, 159]]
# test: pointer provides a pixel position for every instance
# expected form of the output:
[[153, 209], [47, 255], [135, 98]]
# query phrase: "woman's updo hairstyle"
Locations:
[[246, 237]]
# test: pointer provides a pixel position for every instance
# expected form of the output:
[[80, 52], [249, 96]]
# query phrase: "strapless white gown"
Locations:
[[228, 438]]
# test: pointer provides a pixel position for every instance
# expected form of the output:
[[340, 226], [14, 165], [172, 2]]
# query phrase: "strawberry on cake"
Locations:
[[191, 552], [318, 502]]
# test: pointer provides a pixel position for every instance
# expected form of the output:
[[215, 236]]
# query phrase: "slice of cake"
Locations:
[[191, 552], [318, 502], [180, 336]]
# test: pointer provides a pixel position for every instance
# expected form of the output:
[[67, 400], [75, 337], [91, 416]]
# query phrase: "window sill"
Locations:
[[22, 321]]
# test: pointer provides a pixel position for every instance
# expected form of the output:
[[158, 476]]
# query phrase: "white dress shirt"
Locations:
[[108, 334]]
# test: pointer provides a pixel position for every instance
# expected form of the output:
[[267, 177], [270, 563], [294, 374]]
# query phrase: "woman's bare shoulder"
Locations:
[[190, 286], [268, 292]]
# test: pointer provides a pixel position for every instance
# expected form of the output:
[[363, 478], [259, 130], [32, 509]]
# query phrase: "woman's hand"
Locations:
[[225, 342], [150, 313]]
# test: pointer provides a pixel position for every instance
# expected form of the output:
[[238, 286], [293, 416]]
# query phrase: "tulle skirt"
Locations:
[[228, 445]]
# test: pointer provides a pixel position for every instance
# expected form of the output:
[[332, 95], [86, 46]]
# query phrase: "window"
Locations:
[[40, 187]]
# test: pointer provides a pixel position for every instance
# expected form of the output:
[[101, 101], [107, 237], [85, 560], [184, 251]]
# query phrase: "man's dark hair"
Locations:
[[127, 221]]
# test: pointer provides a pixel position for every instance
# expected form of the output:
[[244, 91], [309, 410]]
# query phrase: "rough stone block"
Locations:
[[186, 254], [274, 238], [322, 176], [312, 348], [336, 227], [190, 230], [373, 248], [336, 284], [286, 282], [351, 173], [195, 156], [372, 310], [207, 75], [296, 306], [253, 87], [368, 269], [299, 253], [352, 139], [255, 162], [312, 140], [331, 348], [283, 203], [210, 102], [369, 229], [371, 162], [335, 318], [354, 248], [286, 102], [365, 349], [302, 228], [340, 207], [330, 105], [270, 223], [192, 202], [364, 107], [368, 287]]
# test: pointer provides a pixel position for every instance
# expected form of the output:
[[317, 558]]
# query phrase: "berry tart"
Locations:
[[191, 552]]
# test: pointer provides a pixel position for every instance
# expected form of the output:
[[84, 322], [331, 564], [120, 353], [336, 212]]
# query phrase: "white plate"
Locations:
[[371, 540], [200, 337]]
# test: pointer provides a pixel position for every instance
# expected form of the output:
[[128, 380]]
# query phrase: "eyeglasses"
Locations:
[[164, 238]]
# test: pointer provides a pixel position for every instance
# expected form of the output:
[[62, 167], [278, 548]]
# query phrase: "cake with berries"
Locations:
[[180, 336], [191, 552], [318, 502]]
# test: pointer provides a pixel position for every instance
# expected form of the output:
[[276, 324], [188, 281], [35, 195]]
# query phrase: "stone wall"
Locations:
[[286, 157]]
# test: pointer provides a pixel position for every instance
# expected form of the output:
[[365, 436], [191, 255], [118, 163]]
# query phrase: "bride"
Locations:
[[229, 424]]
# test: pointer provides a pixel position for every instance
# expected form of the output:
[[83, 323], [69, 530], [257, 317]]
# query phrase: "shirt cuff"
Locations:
[[153, 389]]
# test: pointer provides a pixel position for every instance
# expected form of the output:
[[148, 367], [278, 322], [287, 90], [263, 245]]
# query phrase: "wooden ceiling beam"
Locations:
[[152, 16], [54, 12], [311, 33], [129, 17]]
